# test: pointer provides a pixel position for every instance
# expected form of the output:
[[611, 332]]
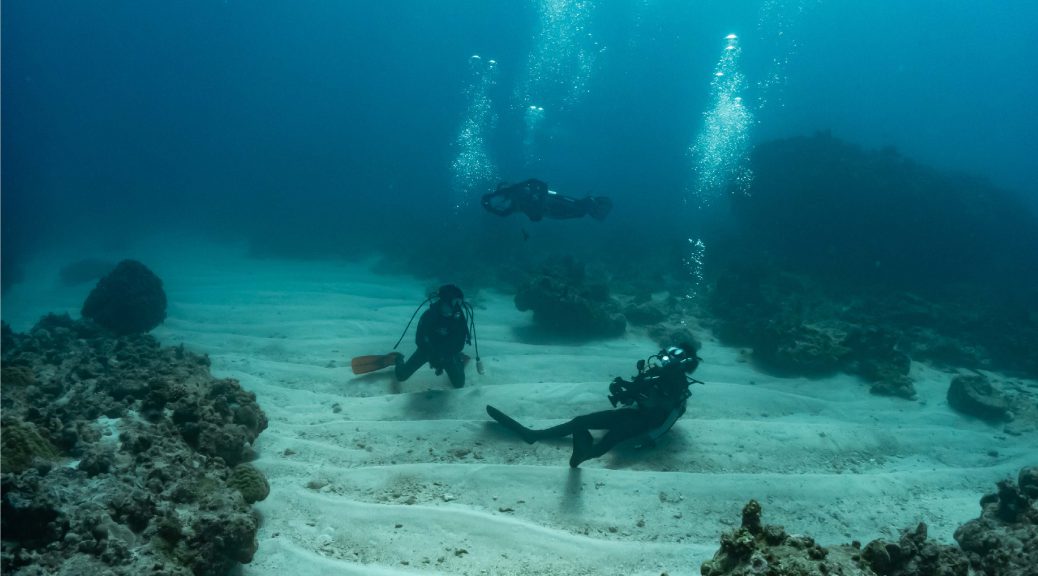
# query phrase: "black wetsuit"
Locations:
[[656, 398], [533, 198], [440, 340]]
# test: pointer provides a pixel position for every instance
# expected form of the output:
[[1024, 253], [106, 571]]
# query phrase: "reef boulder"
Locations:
[[975, 395], [128, 300]]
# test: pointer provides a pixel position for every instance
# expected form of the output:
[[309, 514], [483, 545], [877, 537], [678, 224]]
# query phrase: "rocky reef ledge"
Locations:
[[122, 457]]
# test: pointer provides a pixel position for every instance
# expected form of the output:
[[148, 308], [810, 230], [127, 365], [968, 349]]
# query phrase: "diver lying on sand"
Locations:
[[653, 400], [533, 198]]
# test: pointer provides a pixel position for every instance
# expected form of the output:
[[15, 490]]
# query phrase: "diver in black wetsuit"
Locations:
[[443, 331], [653, 400], [533, 198]]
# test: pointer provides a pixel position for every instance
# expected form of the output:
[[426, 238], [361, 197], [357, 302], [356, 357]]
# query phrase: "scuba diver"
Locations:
[[533, 198], [443, 331], [652, 401]]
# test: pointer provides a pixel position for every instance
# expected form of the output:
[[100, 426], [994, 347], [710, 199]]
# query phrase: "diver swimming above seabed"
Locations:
[[533, 198]]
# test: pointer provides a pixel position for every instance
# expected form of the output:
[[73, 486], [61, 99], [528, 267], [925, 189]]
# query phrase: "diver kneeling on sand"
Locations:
[[443, 331], [653, 400], [533, 198]]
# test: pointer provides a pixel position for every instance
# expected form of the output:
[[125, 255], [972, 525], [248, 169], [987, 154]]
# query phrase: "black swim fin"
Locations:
[[582, 442], [530, 436], [599, 207]]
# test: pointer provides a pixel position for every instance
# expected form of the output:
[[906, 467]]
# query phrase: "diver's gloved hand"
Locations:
[[616, 389], [616, 386]]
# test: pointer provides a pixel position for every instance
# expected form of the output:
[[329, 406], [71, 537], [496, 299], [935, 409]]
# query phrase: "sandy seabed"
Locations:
[[370, 477]]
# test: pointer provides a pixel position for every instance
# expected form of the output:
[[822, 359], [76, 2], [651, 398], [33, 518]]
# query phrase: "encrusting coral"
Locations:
[[250, 482], [22, 445]]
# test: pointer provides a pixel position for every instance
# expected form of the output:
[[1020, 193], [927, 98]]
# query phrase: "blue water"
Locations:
[[331, 123]]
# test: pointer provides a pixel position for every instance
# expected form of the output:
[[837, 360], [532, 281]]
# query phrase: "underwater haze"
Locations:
[[338, 127], [519, 287]]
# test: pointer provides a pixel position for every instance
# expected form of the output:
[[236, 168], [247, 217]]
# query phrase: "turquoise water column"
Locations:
[[558, 69], [533, 117], [472, 171], [720, 153]]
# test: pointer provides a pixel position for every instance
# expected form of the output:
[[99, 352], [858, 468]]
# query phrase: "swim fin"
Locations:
[[365, 364], [582, 442], [599, 207], [529, 436]]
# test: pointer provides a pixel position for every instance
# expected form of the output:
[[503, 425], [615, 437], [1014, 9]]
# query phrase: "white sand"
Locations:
[[372, 477]]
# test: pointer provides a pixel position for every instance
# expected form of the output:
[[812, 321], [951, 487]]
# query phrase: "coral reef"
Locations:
[[796, 328], [795, 348], [1002, 542], [128, 300], [645, 313], [915, 555], [951, 280], [123, 456], [755, 549], [564, 301], [873, 354]]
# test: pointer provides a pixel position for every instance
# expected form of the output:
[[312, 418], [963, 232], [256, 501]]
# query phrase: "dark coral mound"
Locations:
[[119, 456], [128, 300], [1002, 542], [566, 301]]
